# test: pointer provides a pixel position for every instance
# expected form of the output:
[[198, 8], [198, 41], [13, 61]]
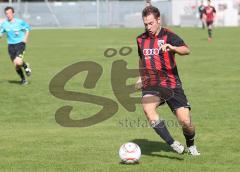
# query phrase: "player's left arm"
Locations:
[[26, 37], [26, 28], [214, 14], [181, 50], [176, 45]]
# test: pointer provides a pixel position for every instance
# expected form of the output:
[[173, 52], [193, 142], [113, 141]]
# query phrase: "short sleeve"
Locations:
[[175, 40], [25, 26]]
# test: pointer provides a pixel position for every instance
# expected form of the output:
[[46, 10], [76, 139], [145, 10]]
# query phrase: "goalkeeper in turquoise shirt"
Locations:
[[17, 32]]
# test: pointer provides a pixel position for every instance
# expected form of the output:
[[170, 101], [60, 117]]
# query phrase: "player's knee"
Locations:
[[18, 62], [185, 121], [17, 65], [188, 126], [149, 110]]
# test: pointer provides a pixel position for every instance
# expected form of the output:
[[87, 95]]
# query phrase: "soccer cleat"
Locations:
[[178, 147], [28, 70], [192, 150], [23, 82]]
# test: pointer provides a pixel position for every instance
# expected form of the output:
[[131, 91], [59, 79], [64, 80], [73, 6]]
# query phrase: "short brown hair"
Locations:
[[9, 8], [151, 10]]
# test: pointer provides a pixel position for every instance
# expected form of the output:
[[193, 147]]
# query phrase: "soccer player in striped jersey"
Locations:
[[17, 32], [157, 47], [209, 15]]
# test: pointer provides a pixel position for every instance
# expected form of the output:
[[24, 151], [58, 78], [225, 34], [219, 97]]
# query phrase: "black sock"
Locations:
[[210, 33], [24, 65], [20, 73], [189, 139], [162, 131]]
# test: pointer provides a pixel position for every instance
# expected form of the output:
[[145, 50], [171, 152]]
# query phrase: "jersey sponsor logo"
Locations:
[[149, 52], [160, 43]]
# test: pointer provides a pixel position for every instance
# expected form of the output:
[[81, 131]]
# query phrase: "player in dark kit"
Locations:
[[209, 15], [157, 47], [201, 11]]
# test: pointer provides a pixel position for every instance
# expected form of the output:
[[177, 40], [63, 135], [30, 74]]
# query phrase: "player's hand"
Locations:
[[167, 47], [138, 84]]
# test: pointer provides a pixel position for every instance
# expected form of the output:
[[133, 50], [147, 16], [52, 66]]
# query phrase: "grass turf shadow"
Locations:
[[152, 148]]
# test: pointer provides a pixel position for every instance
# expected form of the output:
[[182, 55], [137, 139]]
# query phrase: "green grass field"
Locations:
[[31, 139]]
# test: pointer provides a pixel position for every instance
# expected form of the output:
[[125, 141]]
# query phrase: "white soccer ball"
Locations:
[[130, 153]]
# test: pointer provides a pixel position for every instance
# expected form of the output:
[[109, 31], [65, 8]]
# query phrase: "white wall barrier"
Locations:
[[107, 13]]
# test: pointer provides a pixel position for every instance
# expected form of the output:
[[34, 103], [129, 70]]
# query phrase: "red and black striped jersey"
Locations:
[[159, 68], [209, 12]]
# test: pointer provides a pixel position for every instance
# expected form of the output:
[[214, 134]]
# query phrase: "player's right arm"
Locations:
[[138, 84], [204, 15]]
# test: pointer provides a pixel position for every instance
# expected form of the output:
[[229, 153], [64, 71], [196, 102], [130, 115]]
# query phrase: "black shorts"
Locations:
[[16, 50], [209, 23], [175, 98]]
